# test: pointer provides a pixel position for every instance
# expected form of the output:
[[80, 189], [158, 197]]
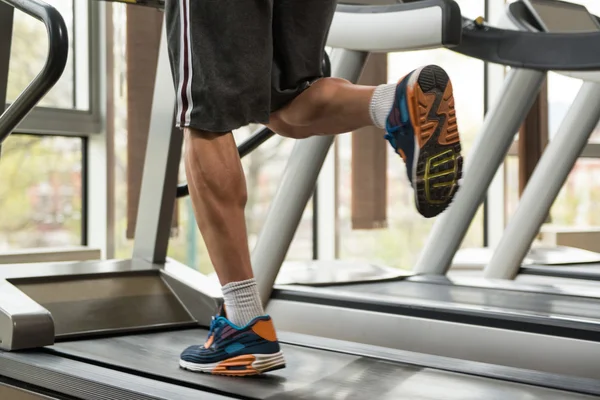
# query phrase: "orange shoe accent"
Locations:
[[426, 128], [401, 153], [265, 330], [419, 106], [240, 361], [449, 135], [209, 342]]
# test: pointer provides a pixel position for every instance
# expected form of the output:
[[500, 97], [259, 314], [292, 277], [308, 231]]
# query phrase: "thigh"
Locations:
[[300, 29], [221, 55]]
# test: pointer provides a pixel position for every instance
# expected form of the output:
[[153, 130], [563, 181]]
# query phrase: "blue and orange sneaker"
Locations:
[[236, 351], [422, 129]]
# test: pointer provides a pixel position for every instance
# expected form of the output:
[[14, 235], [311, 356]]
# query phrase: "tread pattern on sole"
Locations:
[[439, 166]]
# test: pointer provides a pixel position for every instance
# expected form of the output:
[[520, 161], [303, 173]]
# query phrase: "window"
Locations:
[[28, 55], [399, 244], [41, 192], [73, 105], [511, 181], [578, 203]]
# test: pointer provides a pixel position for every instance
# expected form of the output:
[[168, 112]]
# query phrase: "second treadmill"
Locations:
[[551, 328]]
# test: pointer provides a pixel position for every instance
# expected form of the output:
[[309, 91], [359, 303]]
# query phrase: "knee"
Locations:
[[312, 104]]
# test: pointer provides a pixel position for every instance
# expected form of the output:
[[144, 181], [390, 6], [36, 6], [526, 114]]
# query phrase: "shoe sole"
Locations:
[[437, 161], [246, 365]]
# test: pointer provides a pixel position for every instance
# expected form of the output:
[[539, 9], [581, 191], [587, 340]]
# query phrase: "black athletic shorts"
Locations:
[[236, 61]]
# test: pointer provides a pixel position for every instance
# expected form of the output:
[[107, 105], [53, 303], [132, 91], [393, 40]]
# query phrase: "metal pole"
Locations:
[[192, 248], [545, 183], [497, 133], [161, 167], [6, 27], [296, 187]]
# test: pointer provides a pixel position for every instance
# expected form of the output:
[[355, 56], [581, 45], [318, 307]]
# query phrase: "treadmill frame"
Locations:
[[550, 174], [26, 324], [470, 332]]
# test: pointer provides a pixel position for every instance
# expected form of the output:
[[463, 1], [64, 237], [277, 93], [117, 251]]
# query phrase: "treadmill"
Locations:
[[552, 328], [114, 329], [558, 159]]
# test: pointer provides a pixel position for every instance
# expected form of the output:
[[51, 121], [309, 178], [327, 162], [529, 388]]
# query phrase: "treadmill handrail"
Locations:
[[530, 50], [434, 23], [58, 50]]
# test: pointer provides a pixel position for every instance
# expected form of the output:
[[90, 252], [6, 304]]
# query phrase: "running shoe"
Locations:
[[422, 129], [236, 351]]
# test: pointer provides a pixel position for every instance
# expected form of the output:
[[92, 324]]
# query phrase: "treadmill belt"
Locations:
[[310, 373], [574, 271], [541, 304]]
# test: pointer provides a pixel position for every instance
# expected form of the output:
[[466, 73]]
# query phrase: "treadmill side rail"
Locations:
[[200, 296], [23, 322]]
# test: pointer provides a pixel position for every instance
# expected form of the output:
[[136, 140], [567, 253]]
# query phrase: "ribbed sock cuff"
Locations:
[[242, 301], [381, 104]]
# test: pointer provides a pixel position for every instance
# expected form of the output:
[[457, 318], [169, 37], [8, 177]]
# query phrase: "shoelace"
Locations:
[[215, 325]]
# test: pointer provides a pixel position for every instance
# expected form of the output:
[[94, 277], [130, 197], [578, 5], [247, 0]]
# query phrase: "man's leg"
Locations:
[[221, 57], [218, 192], [417, 113], [330, 106]]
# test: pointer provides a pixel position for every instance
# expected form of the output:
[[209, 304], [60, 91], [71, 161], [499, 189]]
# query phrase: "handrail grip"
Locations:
[[58, 50]]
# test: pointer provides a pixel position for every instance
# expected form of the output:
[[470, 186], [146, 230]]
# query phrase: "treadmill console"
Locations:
[[556, 16]]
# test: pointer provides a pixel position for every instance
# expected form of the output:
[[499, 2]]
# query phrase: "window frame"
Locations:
[[71, 122], [88, 125]]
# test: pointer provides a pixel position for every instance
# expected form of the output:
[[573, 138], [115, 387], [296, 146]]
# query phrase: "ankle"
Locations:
[[242, 301], [381, 104]]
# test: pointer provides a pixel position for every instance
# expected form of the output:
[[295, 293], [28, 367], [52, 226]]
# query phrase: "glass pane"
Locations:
[[28, 55], [40, 192], [511, 179], [399, 244], [578, 203], [562, 91]]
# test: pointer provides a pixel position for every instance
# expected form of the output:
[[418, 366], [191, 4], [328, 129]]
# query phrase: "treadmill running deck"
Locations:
[[310, 373]]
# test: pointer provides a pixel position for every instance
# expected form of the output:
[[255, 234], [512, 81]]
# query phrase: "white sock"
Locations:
[[381, 103], [242, 302]]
